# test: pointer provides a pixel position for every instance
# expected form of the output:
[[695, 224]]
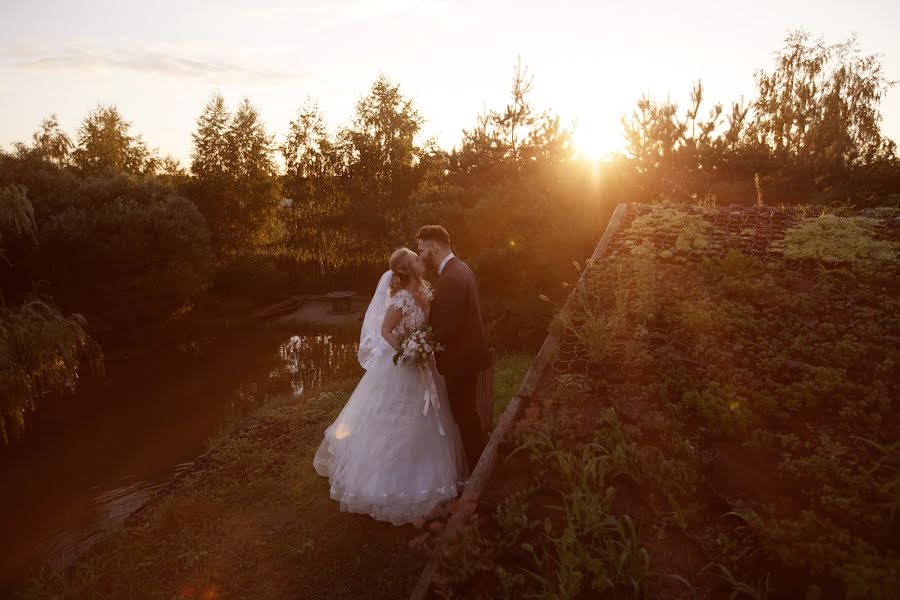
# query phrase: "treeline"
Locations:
[[812, 134], [101, 225]]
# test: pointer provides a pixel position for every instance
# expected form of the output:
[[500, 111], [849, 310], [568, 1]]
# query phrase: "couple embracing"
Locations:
[[409, 435]]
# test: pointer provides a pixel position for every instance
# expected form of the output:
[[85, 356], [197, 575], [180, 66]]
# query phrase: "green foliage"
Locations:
[[847, 484], [741, 589], [16, 214], [234, 185], [689, 231], [50, 143], [726, 369], [349, 194], [609, 309], [820, 104], [731, 383], [120, 250], [105, 145], [584, 547], [210, 149], [813, 130], [382, 148], [509, 140], [825, 549], [230, 280], [509, 371], [840, 240], [42, 352], [660, 142], [143, 260], [313, 188]]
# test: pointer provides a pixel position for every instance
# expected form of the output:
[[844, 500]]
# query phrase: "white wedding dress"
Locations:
[[392, 452]]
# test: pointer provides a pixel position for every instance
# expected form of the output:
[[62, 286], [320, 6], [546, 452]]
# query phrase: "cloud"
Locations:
[[150, 61]]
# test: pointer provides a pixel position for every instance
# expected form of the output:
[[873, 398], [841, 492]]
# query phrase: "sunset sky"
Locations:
[[160, 61]]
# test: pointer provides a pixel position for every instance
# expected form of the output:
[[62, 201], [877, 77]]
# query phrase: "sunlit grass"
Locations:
[[509, 371]]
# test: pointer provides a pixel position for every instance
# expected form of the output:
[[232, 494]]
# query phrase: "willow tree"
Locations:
[[41, 351], [16, 215]]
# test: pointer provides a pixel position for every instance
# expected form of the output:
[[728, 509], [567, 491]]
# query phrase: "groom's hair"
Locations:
[[434, 233]]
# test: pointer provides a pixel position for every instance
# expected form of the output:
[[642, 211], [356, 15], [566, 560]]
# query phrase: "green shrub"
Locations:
[[127, 260]]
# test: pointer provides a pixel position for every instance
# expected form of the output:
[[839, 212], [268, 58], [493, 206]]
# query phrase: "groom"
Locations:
[[456, 321]]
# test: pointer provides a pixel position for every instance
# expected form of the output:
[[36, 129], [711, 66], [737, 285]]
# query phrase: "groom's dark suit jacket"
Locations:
[[456, 320]]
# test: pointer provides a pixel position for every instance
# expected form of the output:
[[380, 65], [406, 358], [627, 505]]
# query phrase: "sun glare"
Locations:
[[595, 140]]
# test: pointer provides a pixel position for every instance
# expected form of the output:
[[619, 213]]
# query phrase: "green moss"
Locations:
[[835, 239], [690, 231]]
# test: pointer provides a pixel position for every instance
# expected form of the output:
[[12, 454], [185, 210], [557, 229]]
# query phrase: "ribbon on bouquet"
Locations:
[[431, 394]]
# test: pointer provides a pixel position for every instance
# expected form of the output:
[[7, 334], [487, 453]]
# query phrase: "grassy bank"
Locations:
[[252, 519]]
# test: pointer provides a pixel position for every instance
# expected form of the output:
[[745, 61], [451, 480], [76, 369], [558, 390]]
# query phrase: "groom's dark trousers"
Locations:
[[456, 320], [461, 390]]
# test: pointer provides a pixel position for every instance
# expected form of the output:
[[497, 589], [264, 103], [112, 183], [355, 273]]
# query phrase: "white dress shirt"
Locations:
[[444, 263]]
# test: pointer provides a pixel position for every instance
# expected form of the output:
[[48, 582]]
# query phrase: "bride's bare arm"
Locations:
[[391, 319]]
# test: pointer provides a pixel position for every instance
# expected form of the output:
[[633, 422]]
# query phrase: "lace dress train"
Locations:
[[382, 455]]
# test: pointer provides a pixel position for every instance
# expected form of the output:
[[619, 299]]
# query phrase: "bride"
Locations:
[[394, 452]]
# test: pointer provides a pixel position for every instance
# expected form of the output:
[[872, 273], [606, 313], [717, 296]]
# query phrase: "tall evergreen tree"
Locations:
[[235, 184], [208, 155], [209, 180]]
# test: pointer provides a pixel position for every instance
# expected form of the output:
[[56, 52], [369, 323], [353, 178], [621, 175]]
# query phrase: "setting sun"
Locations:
[[596, 139]]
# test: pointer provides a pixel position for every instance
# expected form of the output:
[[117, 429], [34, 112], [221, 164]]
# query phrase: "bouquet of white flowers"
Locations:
[[416, 346]]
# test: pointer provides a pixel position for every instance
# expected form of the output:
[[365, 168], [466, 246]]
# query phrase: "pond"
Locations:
[[107, 449]]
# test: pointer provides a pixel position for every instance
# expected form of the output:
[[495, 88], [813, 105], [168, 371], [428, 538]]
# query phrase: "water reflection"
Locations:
[[307, 361], [64, 486]]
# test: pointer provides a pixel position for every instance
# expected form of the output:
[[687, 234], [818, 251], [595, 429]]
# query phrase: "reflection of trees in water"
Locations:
[[308, 361], [302, 363]]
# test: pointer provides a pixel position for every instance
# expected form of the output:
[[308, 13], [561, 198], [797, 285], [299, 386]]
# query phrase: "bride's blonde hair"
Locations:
[[401, 266]]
